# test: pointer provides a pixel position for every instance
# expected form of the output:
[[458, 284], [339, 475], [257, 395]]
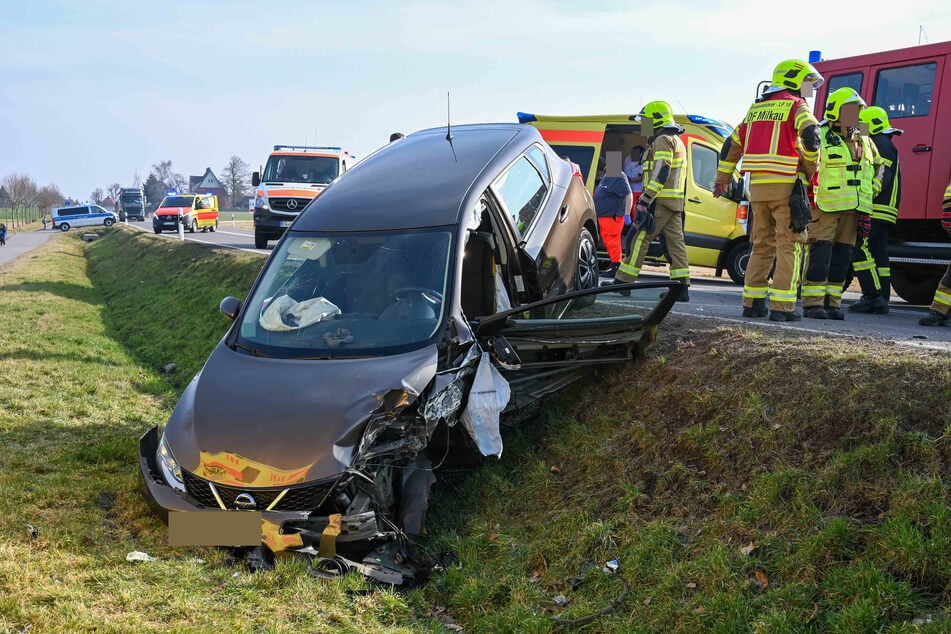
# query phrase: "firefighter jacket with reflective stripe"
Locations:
[[768, 142], [667, 149], [885, 205], [846, 173], [946, 210]]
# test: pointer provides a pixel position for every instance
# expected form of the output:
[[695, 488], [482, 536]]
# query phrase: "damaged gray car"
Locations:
[[440, 284]]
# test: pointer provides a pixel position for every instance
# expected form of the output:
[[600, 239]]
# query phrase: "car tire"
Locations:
[[108, 222], [213, 227], [260, 241], [193, 227], [64, 226], [157, 231], [587, 274], [737, 259]]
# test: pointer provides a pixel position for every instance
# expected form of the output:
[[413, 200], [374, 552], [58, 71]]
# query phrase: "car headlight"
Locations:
[[260, 202], [171, 470]]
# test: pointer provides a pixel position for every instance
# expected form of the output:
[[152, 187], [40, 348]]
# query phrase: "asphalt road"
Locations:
[[716, 299]]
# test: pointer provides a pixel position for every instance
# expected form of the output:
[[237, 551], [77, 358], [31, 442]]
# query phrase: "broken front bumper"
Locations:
[[280, 530]]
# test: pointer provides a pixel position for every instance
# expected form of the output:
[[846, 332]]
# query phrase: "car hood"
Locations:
[[172, 210], [256, 421]]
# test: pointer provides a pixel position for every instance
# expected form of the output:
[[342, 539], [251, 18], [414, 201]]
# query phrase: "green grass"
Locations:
[[745, 481]]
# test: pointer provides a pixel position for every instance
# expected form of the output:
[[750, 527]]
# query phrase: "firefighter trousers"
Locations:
[[942, 296], [829, 258], [773, 240], [668, 223], [870, 261]]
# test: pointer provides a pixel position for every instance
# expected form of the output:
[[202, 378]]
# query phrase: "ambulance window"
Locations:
[[906, 91], [703, 165], [537, 156], [583, 155], [522, 192], [850, 80]]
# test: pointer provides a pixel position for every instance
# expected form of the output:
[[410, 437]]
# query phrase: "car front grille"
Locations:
[[298, 498], [281, 204]]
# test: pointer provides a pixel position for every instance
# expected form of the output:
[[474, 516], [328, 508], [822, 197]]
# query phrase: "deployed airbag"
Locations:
[[284, 313], [488, 397]]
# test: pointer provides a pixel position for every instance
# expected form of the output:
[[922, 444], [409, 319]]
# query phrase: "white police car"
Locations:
[[82, 216]]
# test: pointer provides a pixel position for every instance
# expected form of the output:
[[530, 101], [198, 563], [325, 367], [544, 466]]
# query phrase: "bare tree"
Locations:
[[136, 180], [21, 198], [163, 171], [48, 197], [114, 190], [179, 182], [97, 195], [236, 178]]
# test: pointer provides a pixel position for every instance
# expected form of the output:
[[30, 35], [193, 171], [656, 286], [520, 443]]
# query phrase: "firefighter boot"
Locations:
[[934, 318], [780, 315], [758, 309], [874, 304], [815, 312]]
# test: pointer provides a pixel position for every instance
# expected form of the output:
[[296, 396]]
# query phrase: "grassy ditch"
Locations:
[[745, 481]]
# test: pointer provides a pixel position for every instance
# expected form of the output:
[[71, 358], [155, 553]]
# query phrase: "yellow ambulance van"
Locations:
[[715, 228]]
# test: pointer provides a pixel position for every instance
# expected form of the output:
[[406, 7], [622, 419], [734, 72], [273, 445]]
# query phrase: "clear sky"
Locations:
[[92, 92]]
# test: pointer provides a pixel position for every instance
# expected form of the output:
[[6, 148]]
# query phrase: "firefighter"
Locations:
[[660, 209], [779, 143], [846, 185], [940, 313], [870, 256]]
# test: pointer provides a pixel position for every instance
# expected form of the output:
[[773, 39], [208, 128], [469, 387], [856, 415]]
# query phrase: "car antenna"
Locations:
[[449, 128]]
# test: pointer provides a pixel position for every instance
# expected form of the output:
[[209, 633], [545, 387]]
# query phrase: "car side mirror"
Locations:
[[255, 179], [230, 307]]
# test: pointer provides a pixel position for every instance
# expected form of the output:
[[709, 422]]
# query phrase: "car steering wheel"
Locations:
[[428, 294]]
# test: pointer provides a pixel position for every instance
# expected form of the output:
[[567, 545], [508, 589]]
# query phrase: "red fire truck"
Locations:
[[914, 86]]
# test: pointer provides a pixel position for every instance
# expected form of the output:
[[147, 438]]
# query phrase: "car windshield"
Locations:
[[320, 170], [131, 198], [348, 294], [177, 201]]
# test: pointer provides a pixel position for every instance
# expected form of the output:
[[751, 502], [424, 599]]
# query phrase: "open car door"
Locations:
[[543, 346]]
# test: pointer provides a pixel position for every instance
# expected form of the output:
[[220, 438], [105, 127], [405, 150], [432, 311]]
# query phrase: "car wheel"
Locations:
[[214, 227], [108, 222], [587, 275], [737, 260], [193, 227], [157, 231], [64, 226], [260, 241]]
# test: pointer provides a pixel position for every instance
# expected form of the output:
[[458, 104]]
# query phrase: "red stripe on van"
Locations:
[[572, 136]]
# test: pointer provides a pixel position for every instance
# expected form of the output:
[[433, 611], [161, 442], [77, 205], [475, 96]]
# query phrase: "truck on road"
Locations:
[[913, 85], [130, 204]]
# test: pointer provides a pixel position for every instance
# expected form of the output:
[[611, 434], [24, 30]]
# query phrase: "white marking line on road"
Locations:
[[764, 322], [232, 233], [173, 236], [226, 246]]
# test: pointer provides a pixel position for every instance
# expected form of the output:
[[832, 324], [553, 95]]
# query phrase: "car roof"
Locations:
[[417, 181]]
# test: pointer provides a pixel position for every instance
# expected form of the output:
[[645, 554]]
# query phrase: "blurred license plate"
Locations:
[[214, 528], [284, 223]]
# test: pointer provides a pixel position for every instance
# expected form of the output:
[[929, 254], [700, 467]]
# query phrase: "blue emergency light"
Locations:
[[815, 56], [525, 117], [171, 192]]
